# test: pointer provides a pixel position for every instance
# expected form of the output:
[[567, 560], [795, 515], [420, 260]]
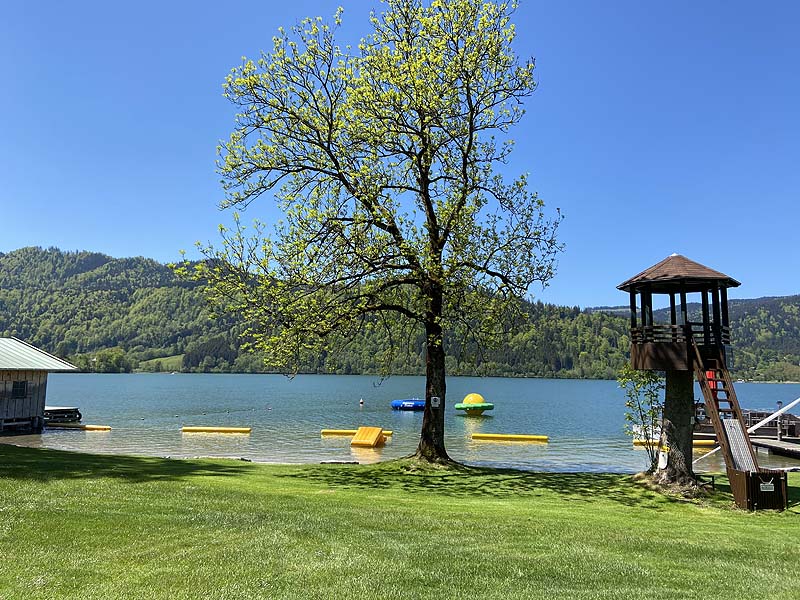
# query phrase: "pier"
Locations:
[[62, 414], [781, 447]]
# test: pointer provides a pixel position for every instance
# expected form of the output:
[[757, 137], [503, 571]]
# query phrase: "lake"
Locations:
[[584, 418]]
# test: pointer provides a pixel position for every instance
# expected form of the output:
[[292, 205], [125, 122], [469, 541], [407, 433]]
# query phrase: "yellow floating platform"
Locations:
[[368, 437], [347, 432], [78, 426], [216, 429], [707, 443], [510, 437]]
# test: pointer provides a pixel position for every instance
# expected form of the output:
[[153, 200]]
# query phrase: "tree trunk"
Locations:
[[677, 429], [431, 441]]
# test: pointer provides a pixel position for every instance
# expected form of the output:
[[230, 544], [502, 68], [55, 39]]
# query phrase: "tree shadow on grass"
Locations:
[[458, 480], [40, 464]]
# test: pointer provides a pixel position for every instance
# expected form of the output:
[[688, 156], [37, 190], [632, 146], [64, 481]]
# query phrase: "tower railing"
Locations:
[[702, 334]]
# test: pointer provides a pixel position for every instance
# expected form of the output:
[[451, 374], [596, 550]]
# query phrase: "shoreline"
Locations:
[[378, 376]]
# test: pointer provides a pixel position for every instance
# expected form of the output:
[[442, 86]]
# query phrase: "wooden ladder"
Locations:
[[723, 408], [753, 488]]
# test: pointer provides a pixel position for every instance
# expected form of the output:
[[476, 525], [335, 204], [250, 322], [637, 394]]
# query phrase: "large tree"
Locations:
[[382, 160]]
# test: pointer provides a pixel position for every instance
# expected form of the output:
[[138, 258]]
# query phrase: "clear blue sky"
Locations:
[[657, 128]]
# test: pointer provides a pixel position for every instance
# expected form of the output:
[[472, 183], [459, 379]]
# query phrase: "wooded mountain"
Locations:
[[108, 314]]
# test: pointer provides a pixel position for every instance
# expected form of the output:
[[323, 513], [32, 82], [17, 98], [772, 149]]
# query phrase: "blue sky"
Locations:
[[657, 128]]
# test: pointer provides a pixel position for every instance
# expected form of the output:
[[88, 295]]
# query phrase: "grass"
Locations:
[[168, 363], [91, 526]]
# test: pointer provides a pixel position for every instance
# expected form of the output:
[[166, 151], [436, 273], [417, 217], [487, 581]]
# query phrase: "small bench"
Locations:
[[705, 480]]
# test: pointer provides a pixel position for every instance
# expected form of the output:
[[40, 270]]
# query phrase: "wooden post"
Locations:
[[673, 319], [687, 329], [647, 306], [725, 321], [633, 310], [643, 307], [684, 309], [706, 320], [717, 317]]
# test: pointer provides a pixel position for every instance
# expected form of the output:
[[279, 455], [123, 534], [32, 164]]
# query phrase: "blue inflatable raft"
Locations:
[[408, 404]]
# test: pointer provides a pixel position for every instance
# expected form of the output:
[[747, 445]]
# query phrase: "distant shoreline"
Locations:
[[394, 375]]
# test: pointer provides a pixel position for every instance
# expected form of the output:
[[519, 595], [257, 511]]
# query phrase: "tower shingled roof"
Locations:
[[677, 271]]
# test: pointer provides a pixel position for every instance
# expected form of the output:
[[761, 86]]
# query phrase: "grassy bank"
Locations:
[[168, 363], [86, 526]]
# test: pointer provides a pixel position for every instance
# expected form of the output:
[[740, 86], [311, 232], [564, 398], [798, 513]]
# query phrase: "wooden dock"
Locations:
[[62, 414], [781, 447]]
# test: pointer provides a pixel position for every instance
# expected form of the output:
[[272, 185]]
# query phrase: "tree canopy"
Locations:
[[384, 162]]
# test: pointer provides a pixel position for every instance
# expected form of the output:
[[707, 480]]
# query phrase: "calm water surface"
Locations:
[[584, 419]]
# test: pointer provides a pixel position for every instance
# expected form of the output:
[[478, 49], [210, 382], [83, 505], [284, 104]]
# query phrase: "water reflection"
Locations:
[[366, 455]]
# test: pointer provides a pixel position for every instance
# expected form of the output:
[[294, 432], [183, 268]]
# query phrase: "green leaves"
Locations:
[[382, 162], [644, 406]]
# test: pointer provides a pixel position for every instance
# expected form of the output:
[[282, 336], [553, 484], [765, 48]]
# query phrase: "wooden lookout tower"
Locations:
[[682, 347]]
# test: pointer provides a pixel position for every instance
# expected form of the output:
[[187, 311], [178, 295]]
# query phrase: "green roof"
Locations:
[[16, 355]]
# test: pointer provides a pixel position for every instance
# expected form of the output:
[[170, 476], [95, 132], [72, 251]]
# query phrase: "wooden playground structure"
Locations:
[[701, 347]]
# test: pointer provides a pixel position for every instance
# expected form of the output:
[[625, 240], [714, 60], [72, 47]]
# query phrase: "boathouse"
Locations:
[[23, 383]]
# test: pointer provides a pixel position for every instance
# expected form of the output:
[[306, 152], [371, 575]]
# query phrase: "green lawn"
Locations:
[[168, 363], [87, 526]]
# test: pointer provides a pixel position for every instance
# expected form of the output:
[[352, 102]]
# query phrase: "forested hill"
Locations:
[[84, 306], [108, 314], [765, 334]]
